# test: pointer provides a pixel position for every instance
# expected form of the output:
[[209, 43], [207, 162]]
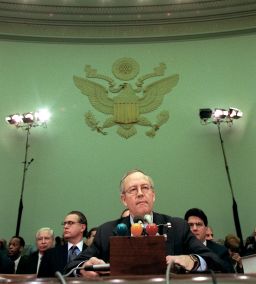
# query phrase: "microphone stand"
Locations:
[[25, 168], [235, 209]]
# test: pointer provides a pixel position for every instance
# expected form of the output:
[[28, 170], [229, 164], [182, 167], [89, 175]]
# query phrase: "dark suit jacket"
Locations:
[[54, 259], [31, 264], [6, 265], [179, 241], [223, 254], [22, 264]]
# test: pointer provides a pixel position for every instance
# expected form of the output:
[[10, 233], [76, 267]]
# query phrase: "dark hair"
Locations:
[[82, 219], [198, 213], [90, 232], [22, 242]]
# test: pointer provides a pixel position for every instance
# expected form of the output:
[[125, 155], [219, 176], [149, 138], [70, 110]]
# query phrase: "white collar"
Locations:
[[79, 245]]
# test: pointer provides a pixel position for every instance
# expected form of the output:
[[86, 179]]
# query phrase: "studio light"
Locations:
[[26, 121], [14, 119], [29, 119], [218, 115]]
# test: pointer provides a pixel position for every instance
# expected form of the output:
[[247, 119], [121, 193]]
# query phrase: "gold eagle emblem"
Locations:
[[126, 108]]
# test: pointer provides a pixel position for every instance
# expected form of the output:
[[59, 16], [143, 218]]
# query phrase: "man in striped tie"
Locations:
[[55, 259]]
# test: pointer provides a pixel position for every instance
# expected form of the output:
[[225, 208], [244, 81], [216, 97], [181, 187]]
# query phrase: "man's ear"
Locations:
[[122, 197], [83, 227]]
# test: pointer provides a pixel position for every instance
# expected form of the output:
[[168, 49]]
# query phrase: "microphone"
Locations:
[[137, 228], [148, 219], [163, 228], [152, 229], [121, 229], [97, 267], [138, 219]]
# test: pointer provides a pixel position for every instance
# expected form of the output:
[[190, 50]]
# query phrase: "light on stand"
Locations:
[[14, 119], [42, 116], [29, 119], [26, 121], [217, 116]]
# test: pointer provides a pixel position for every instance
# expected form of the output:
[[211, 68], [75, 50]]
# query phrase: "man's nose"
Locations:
[[194, 227], [139, 191]]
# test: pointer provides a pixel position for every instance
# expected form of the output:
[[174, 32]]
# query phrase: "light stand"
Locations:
[[26, 121], [25, 168], [234, 206], [217, 116]]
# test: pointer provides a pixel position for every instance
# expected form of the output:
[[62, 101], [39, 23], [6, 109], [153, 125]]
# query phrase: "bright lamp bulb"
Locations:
[[220, 113], [28, 117], [14, 119], [42, 115]]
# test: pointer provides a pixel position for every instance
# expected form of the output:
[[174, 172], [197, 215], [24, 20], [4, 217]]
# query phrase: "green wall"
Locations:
[[76, 168]]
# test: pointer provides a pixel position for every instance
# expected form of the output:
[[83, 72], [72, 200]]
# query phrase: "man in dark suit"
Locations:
[[44, 241], [197, 221], [55, 259], [15, 248], [6, 264], [138, 195]]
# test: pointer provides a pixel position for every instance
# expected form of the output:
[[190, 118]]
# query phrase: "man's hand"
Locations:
[[237, 258], [92, 274], [184, 260]]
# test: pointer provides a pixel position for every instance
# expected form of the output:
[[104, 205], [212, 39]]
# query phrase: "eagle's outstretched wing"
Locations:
[[154, 93], [96, 93]]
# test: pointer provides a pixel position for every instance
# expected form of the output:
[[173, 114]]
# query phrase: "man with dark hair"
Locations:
[[55, 259], [137, 193], [197, 221], [15, 248]]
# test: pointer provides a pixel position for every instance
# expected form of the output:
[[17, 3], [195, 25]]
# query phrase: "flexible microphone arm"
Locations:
[[235, 209], [93, 267]]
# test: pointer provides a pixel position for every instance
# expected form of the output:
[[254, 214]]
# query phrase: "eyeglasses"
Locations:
[[69, 223], [145, 188], [199, 224]]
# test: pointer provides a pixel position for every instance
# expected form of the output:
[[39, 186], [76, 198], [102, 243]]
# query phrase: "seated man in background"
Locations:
[[137, 193], [44, 241], [6, 264], [125, 212], [197, 221], [55, 259], [209, 234], [250, 243], [90, 236], [15, 248], [232, 243], [3, 246]]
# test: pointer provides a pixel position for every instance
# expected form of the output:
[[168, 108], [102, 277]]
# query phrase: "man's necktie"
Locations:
[[72, 253]]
